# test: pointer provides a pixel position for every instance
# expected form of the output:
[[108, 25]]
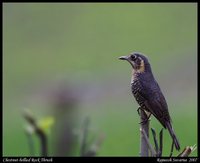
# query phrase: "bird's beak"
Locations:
[[123, 58]]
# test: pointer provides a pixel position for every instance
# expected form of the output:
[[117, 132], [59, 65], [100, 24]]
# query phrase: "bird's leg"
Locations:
[[138, 110], [146, 119]]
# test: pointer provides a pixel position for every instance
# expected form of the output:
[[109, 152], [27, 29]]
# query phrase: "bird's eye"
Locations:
[[133, 57]]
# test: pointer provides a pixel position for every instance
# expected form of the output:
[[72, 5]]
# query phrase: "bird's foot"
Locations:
[[139, 110], [145, 120]]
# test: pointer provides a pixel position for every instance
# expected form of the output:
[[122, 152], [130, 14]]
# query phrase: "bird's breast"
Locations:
[[134, 77], [137, 92]]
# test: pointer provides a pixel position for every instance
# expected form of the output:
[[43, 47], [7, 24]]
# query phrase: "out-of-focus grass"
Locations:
[[82, 43], [119, 121]]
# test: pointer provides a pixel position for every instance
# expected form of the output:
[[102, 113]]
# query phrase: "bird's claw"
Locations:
[[138, 110], [144, 121]]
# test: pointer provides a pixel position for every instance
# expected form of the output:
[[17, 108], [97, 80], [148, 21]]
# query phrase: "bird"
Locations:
[[147, 92]]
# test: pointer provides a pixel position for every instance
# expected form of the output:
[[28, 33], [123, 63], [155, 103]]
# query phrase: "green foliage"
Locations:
[[46, 123]]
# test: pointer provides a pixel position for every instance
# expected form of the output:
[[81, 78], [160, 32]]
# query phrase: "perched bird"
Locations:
[[147, 92]]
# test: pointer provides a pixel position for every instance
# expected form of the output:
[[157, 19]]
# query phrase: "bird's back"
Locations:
[[149, 96]]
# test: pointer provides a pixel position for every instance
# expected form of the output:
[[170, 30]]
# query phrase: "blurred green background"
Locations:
[[78, 44]]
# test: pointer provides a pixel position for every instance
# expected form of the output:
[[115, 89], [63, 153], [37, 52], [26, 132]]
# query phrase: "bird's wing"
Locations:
[[156, 103]]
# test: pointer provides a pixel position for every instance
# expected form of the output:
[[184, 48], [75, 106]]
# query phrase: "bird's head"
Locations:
[[137, 60]]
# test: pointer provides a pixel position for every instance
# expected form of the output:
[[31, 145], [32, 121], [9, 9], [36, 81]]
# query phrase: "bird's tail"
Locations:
[[172, 134]]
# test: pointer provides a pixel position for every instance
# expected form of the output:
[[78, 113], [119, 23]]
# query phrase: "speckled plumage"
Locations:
[[147, 92]]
